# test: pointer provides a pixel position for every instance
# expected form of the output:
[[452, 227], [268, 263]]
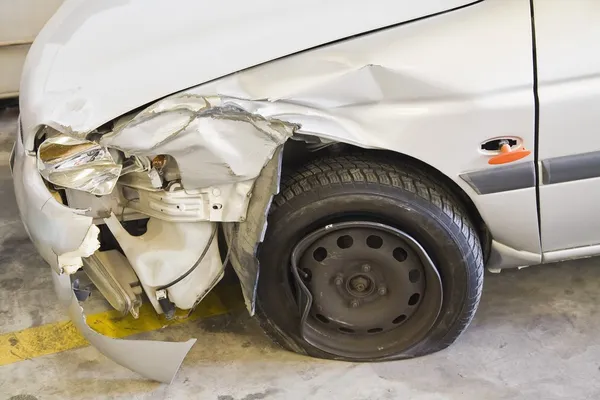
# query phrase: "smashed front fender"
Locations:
[[215, 142], [87, 65], [60, 234], [213, 139], [243, 238], [63, 237]]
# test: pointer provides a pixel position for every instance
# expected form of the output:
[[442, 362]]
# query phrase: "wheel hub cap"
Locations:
[[360, 285]]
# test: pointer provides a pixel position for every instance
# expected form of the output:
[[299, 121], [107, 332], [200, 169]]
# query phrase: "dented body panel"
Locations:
[[71, 85], [432, 89], [405, 81], [202, 133], [58, 232]]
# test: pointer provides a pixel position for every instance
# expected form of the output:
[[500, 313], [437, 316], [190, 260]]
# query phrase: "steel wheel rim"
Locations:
[[368, 281]]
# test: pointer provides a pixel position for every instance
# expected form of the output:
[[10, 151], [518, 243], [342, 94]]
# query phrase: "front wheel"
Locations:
[[367, 260]]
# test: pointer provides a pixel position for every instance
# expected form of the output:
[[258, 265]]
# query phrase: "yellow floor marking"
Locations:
[[60, 336]]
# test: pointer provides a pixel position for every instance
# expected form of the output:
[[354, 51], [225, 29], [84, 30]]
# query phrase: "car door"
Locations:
[[567, 34]]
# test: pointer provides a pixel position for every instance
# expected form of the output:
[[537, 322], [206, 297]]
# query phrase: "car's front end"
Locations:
[[125, 167]]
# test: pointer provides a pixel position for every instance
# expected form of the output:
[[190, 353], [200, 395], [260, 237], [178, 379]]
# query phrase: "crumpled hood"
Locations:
[[96, 60]]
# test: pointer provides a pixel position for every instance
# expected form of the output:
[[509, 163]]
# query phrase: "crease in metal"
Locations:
[[244, 237], [203, 134]]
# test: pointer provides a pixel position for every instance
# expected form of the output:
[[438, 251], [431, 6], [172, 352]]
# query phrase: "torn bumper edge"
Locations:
[[155, 360], [56, 229]]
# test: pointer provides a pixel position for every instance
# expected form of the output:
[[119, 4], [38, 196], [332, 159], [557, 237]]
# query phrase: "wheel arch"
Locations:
[[296, 153]]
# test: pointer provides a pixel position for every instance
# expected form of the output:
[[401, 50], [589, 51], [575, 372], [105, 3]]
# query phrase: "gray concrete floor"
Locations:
[[535, 336]]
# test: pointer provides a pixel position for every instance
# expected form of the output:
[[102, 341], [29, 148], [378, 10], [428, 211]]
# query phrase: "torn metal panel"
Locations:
[[244, 238], [58, 230], [204, 135], [69, 84], [155, 360], [410, 91]]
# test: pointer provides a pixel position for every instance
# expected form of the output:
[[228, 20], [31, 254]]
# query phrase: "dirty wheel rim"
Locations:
[[374, 289]]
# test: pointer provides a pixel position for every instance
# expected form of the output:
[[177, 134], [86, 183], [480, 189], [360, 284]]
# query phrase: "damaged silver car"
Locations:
[[357, 163]]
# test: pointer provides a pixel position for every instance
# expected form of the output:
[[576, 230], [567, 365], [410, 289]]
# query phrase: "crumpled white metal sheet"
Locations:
[[213, 140], [70, 85]]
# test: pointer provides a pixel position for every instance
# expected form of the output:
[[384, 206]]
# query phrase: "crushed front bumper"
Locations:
[[59, 233]]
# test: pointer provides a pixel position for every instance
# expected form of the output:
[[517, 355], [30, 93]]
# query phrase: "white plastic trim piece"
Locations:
[[70, 262]]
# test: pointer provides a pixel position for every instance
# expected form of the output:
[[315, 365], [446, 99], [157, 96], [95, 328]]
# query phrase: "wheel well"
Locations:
[[296, 153]]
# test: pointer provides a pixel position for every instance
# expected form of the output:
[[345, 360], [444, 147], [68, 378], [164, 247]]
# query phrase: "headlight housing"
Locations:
[[78, 164]]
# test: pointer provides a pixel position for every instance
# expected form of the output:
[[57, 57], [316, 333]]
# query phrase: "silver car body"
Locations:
[[222, 90]]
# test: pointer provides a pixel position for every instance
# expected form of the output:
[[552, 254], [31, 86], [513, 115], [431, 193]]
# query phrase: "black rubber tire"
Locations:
[[398, 195]]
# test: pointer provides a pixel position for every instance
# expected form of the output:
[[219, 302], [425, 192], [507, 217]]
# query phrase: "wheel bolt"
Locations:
[[366, 267], [382, 290], [338, 281], [354, 303]]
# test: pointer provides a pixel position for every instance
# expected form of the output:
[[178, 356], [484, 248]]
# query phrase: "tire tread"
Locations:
[[351, 169]]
